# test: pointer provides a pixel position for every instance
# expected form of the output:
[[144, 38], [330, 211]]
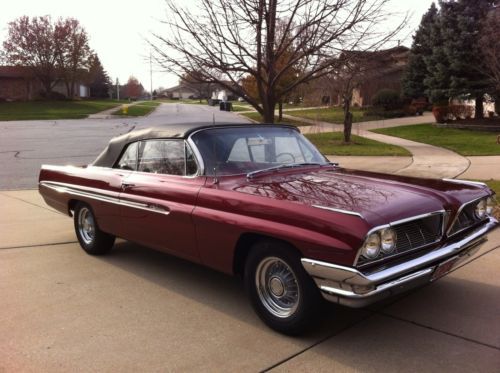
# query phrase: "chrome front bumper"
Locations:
[[350, 287]]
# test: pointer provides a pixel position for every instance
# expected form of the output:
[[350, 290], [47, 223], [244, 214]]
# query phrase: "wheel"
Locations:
[[283, 295], [91, 238]]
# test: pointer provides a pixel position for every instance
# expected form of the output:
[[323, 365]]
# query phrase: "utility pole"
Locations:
[[151, 74], [117, 89]]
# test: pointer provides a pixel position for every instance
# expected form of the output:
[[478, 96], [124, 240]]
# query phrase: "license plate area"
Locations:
[[443, 268]]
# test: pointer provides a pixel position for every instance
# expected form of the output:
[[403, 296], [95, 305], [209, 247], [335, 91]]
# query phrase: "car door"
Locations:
[[158, 198]]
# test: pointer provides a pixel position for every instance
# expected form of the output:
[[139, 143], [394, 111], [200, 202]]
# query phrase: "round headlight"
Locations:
[[371, 248], [490, 205], [387, 240], [480, 210]]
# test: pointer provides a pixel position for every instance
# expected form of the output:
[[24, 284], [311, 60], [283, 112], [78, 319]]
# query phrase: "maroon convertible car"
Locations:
[[262, 202]]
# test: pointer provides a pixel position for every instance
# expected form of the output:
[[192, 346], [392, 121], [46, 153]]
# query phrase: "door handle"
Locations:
[[127, 185]]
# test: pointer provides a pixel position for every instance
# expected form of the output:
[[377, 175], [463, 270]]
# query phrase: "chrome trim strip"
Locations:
[[347, 212], [70, 189], [465, 182], [197, 155], [349, 276], [458, 213], [386, 286]]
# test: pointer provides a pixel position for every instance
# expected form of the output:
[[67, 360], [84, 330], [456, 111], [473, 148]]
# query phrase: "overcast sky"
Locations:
[[117, 29]]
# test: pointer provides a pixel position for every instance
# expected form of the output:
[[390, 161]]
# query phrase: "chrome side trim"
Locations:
[[347, 212], [465, 182], [89, 193]]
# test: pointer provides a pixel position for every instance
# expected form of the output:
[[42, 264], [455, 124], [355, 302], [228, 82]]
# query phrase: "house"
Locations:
[[180, 92], [18, 83], [198, 91], [381, 69]]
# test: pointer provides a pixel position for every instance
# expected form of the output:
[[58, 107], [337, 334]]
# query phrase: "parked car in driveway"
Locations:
[[262, 202]]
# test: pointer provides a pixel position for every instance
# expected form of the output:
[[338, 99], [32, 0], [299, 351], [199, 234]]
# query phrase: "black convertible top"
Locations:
[[111, 153]]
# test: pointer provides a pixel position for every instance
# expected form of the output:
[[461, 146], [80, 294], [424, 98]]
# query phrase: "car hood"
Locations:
[[378, 198]]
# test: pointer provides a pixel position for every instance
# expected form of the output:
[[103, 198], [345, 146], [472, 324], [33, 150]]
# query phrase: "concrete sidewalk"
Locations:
[[427, 160], [141, 310]]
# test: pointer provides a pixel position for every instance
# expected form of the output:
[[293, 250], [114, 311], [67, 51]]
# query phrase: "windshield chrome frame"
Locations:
[[201, 163]]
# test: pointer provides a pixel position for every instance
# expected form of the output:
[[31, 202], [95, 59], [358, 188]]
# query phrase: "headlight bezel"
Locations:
[[480, 209], [491, 203], [385, 247], [373, 236]]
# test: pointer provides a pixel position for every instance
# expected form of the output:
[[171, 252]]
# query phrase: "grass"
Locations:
[[333, 115], [258, 118], [464, 142], [495, 185], [31, 110], [332, 143], [139, 109]]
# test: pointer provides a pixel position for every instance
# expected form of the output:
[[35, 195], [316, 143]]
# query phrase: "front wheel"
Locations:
[[91, 238], [282, 293]]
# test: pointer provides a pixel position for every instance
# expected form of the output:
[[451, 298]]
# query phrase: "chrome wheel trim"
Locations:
[[277, 287], [86, 225]]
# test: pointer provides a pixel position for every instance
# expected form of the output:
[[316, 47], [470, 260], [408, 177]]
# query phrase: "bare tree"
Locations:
[[72, 51], [235, 39], [194, 81], [30, 43], [51, 50]]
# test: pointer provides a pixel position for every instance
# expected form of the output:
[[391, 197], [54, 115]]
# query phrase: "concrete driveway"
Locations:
[[141, 310]]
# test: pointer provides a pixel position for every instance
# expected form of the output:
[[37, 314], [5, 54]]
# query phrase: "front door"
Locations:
[[158, 198]]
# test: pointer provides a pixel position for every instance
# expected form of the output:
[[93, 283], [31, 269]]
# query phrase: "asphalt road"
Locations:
[[26, 145]]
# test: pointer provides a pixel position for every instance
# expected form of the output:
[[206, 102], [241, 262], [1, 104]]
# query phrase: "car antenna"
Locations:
[[213, 118]]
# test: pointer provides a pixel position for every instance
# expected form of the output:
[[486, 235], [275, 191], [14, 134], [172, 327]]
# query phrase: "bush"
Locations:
[[53, 96], [380, 112], [461, 111], [440, 113], [389, 99]]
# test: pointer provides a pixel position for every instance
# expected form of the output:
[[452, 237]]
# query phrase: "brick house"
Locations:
[[17, 83], [386, 68]]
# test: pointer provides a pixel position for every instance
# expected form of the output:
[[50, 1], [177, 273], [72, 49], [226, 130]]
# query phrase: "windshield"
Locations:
[[237, 150]]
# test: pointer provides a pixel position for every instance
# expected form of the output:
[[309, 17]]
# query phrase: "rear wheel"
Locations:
[[91, 238], [282, 293]]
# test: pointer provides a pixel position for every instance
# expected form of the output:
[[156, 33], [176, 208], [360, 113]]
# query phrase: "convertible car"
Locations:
[[262, 202]]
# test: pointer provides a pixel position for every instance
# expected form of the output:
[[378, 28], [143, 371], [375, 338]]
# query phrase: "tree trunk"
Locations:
[[268, 108], [479, 107], [68, 89], [280, 111], [347, 120]]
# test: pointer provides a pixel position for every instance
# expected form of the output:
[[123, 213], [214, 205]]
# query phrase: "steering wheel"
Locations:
[[286, 154]]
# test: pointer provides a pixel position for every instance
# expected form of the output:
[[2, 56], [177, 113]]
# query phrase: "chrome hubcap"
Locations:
[[277, 287], [86, 225]]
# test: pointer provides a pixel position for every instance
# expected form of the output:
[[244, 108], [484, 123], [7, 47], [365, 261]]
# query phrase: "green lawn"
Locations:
[[30, 110], [332, 143], [258, 118], [464, 142], [139, 109], [495, 185], [333, 115]]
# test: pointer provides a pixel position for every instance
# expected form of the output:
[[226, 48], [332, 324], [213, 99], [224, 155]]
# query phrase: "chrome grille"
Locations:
[[412, 235]]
